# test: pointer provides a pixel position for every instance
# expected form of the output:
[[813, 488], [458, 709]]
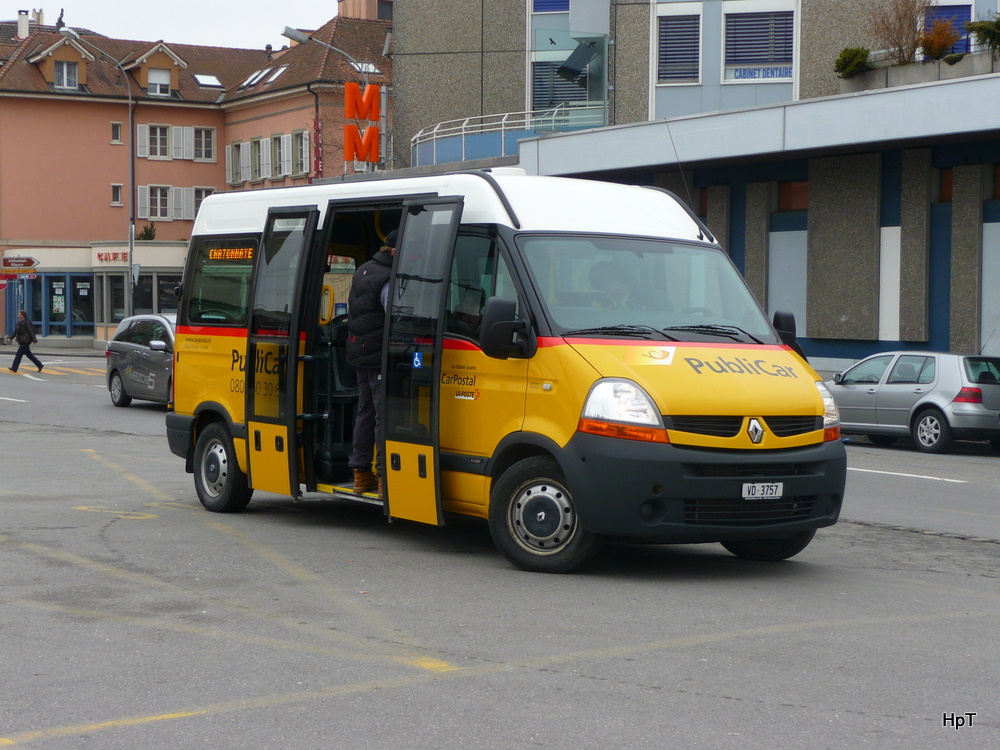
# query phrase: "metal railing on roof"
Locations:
[[500, 132]]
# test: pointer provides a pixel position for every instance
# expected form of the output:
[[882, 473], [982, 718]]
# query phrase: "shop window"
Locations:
[[945, 185]]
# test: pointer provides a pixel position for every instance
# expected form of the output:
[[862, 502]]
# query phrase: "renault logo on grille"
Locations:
[[755, 431]]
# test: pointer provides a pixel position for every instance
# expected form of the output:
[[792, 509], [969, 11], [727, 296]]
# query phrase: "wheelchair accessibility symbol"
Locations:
[[418, 360]]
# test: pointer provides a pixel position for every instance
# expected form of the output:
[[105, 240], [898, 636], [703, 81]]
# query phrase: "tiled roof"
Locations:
[[310, 62], [8, 31]]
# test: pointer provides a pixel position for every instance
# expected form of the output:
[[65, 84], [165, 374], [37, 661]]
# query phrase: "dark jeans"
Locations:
[[368, 423], [24, 350]]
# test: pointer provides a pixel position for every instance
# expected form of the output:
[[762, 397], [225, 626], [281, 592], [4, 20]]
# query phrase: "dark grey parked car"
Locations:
[[140, 359], [935, 397]]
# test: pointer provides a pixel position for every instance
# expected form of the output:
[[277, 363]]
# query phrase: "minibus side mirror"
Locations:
[[498, 328], [784, 324], [158, 346]]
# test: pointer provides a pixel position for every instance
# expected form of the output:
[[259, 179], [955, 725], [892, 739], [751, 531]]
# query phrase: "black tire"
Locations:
[[533, 521], [995, 445], [116, 386], [883, 440], [932, 432], [770, 550], [221, 486]]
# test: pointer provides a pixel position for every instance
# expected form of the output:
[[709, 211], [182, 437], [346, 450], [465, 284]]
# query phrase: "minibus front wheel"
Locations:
[[533, 520], [222, 487]]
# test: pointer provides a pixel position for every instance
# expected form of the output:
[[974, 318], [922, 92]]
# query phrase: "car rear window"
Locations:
[[982, 369]]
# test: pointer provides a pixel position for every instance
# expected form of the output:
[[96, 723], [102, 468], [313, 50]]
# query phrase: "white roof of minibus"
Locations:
[[551, 204]]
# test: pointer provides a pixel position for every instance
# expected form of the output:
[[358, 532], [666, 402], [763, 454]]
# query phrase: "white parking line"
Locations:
[[911, 476], [16, 400]]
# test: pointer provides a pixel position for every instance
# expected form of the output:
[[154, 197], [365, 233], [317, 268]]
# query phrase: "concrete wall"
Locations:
[[827, 27], [629, 62], [844, 247], [758, 218], [459, 59], [915, 227], [966, 256]]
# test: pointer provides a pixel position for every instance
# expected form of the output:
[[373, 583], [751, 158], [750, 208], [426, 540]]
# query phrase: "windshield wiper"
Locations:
[[733, 332], [623, 330]]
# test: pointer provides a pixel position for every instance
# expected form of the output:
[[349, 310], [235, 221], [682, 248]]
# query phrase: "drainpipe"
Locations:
[[318, 130]]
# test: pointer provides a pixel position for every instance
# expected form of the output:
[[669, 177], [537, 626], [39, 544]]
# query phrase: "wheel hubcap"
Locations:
[[929, 431], [542, 518], [116, 388], [215, 469]]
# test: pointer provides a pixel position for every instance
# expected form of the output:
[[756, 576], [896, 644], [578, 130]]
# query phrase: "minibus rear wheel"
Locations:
[[533, 520], [770, 550], [222, 487]]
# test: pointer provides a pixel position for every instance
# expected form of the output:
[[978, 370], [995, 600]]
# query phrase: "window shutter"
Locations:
[[679, 50], [306, 162], [188, 213], [549, 89], [177, 203], [550, 6], [756, 38], [229, 164], [959, 15], [142, 141], [143, 209], [189, 143], [177, 142], [265, 157], [285, 168], [245, 162]]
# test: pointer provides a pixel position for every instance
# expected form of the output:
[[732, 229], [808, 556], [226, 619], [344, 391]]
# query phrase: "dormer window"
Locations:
[[159, 82], [67, 75]]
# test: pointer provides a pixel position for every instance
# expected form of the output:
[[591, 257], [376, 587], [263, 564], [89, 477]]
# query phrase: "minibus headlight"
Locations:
[[620, 408], [831, 414]]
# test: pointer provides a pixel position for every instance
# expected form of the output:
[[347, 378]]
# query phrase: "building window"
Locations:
[[204, 144], [384, 10], [759, 47], [116, 133], [550, 6], [256, 171], [159, 82], [300, 152], [679, 49], [200, 194], [67, 75], [159, 142], [548, 88], [959, 15], [793, 196], [116, 195], [159, 202]]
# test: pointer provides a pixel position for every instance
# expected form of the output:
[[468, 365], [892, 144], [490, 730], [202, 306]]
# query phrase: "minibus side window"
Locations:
[[478, 272], [220, 286]]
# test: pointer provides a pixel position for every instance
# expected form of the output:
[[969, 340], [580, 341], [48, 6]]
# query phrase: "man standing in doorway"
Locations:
[[366, 306]]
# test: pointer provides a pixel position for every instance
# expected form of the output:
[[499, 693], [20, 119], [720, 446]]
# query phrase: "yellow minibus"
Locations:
[[570, 360]]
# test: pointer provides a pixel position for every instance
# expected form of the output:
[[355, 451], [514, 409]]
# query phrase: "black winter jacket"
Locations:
[[366, 316]]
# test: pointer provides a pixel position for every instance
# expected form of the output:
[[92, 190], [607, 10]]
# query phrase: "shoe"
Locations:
[[12, 369], [40, 367], [364, 481]]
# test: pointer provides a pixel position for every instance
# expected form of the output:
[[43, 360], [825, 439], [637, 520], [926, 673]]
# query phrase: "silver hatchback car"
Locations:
[[935, 397], [140, 359]]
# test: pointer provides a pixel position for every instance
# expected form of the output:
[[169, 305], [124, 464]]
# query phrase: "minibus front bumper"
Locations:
[[669, 493]]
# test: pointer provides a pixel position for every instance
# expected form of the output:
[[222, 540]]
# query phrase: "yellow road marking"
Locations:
[[119, 513], [371, 686]]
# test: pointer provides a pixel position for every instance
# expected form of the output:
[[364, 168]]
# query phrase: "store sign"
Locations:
[[362, 145], [24, 264], [117, 256], [759, 73]]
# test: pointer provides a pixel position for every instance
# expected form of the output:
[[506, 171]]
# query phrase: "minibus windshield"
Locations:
[[642, 287]]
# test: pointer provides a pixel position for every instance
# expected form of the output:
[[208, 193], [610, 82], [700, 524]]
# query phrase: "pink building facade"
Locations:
[[75, 177]]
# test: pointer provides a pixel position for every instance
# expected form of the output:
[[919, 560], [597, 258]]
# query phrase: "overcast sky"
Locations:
[[224, 23]]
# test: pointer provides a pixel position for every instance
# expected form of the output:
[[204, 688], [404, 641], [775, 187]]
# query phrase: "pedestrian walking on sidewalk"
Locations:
[[24, 335]]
